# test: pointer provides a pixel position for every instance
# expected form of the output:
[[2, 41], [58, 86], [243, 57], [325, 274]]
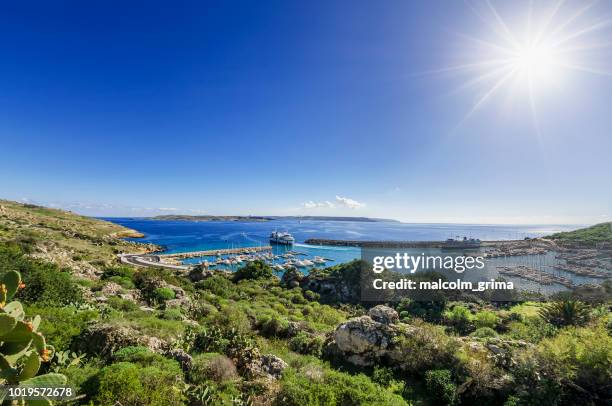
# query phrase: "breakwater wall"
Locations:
[[227, 251], [376, 244]]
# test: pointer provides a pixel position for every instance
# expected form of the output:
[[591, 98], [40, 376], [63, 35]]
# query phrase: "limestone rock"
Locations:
[[104, 340], [383, 314]]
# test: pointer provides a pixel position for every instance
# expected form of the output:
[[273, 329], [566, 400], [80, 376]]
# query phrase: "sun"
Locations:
[[531, 55], [537, 62]]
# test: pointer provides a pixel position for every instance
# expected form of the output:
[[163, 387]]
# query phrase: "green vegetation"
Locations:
[[152, 337], [590, 235], [23, 348]]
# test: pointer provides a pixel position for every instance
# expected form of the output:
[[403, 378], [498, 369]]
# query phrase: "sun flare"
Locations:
[[530, 55]]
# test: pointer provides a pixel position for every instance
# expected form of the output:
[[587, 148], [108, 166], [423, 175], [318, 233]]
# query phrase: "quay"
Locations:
[[226, 251]]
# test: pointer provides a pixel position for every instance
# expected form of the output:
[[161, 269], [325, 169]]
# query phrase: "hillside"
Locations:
[[66, 239], [591, 235], [148, 336]]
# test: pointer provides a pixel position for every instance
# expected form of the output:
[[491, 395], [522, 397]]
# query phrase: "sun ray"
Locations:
[[547, 50]]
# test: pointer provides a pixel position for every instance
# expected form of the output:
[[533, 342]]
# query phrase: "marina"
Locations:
[[228, 246]]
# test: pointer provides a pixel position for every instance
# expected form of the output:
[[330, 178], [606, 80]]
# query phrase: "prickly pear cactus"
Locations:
[[22, 347]]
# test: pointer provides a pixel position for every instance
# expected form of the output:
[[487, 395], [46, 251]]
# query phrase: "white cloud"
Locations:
[[314, 205], [349, 203], [341, 202], [167, 209]]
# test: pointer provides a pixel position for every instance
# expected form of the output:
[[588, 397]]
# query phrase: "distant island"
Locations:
[[183, 217]]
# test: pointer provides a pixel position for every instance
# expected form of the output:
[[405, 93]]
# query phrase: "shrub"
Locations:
[[427, 347], [47, 284], [311, 296], [460, 318], [122, 304], [382, 376], [122, 281], [62, 324], [579, 355], [217, 284], [254, 270], [163, 294], [130, 384], [132, 353], [118, 271], [212, 367], [486, 319], [565, 313], [440, 386], [273, 326], [172, 314], [484, 332], [307, 344], [430, 311], [333, 388]]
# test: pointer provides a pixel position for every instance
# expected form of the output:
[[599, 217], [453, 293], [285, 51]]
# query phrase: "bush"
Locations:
[[124, 282], [163, 294], [217, 284], [118, 271], [430, 311], [122, 304], [486, 319], [440, 386], [427, 347], [212, 367], [254, 270], [273, 326], [382, 376], [130, 384], [172, 314], [460, 318], [62, 324], [579, 355], [47, 284], [484, 332], [307, 344], [333, 388]]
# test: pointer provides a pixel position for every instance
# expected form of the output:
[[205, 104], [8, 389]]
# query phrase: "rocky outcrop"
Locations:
[[200, 273], [265, 366], [292, 278], [383, 314], [104, 340], [364, 340]]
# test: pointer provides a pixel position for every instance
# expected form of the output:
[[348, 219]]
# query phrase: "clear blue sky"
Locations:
[[287, 107]]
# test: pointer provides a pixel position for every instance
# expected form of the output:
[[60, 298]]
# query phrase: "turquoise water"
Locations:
[[185, 236]]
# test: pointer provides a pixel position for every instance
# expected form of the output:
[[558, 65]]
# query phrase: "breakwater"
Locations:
[[376, 244], [226, 251]]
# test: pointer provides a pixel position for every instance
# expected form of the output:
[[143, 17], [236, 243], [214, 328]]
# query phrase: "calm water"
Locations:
[[182, 236]]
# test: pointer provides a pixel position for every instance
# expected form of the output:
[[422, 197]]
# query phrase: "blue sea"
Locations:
[[184, 236]]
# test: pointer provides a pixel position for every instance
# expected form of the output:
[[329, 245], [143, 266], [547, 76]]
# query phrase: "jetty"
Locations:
[[534, 275], [207, 253]]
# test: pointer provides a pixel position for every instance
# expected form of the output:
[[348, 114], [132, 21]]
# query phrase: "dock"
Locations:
[[226, 251]]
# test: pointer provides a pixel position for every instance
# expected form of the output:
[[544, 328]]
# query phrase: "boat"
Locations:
[[281, 238], [319, 260], [462, 243]]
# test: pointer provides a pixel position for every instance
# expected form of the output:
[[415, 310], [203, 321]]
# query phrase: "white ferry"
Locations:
[[462, 243], [281, 238]]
